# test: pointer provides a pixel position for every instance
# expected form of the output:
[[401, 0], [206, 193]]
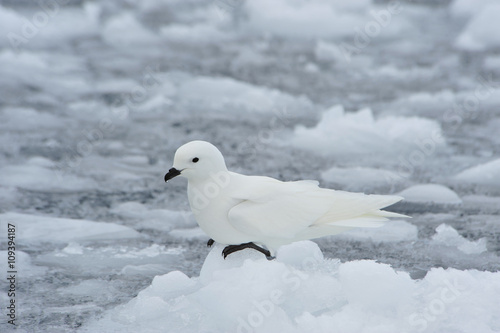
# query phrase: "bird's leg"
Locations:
[[210, 242], [234, 248]]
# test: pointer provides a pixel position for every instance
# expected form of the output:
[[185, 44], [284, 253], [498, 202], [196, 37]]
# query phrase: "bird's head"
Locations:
[[196, 160]]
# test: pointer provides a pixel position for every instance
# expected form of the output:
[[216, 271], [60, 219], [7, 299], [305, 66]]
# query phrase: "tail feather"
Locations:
[[385, 213]]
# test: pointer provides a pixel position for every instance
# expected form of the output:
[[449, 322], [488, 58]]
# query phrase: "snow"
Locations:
[[477, 35], [431, 193], [357, 133], [447, 236], [306, 293]]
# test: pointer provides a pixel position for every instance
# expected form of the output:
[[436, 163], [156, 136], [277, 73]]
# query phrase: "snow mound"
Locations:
[[360, 178], [303, 292], [41, 174], [39, 229], [479, 34], [448, 236], [483, 174], [359, 133], [431, 193]]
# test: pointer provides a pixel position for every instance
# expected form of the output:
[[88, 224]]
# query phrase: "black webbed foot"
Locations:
[[235, 248], [210, 242]]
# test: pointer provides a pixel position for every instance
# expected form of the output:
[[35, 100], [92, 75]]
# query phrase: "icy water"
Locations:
[[95, 97]]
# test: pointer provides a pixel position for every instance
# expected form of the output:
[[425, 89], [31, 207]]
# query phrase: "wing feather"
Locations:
[[286, 209]]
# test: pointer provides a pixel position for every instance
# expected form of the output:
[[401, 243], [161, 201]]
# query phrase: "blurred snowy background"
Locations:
[[373, 96]]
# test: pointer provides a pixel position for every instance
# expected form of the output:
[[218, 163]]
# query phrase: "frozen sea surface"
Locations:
[[372, 96]]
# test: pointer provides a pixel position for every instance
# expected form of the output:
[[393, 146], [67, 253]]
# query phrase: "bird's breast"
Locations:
[[210, 206]]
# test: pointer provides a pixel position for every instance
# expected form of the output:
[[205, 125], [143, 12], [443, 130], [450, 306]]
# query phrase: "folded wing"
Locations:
[[302, 210]]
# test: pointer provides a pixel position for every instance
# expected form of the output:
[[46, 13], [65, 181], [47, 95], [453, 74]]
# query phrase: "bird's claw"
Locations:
[[234, 248], [210, 242]]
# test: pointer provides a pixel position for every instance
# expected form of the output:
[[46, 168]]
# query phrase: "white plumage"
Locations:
[[235, 209]]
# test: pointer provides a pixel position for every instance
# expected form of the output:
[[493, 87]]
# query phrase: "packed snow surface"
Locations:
[[301, 291]]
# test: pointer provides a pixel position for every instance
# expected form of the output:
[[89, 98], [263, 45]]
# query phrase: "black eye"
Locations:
[[196, 159]]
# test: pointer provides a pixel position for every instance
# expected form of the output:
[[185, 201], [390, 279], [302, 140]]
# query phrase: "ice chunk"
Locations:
[[146, 270], [159, 219], [431, 193], [191, 233], [312, 19], [23, 119], [39, 229], [8, 20], [303, 254], [446, 235], [73, 248], [328, 52], [196, 34], [487, 174], [424, 103], [124, 30], [492, 63], [477, 35], [41, 174], [127, 260], [227, 93], [483, 203], [23, 263], [360, 178], [83, 288], [331, 53], [468, 8], [359, 133], [8, 196], [370, 286], [391, 231], [215, 261]]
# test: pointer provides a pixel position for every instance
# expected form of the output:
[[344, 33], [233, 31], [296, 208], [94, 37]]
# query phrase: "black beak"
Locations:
[[173, 172]]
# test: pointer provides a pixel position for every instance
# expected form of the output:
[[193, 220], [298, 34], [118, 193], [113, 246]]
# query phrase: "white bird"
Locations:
[[254, 211]]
